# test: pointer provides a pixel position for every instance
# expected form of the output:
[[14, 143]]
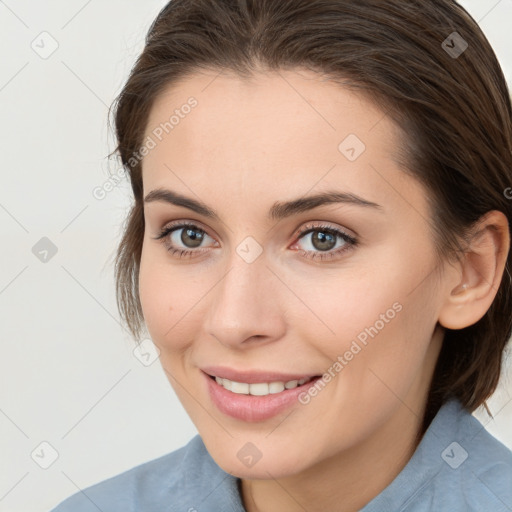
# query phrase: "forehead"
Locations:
[[285, 132], [268, 109]]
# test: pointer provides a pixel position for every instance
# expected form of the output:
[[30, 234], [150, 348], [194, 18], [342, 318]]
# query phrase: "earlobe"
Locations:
[[482, 268]]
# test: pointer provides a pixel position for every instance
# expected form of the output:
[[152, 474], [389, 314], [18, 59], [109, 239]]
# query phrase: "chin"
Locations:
[[270, 465]]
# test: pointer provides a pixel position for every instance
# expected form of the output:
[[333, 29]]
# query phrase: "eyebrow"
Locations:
[[278, 211]]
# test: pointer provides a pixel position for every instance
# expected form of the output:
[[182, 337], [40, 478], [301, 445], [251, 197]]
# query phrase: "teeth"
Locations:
[[276, 387], [241, 388], [260, 388], [292, 384]]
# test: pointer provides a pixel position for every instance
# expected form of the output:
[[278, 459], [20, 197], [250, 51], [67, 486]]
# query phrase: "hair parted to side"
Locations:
[[455, 114]]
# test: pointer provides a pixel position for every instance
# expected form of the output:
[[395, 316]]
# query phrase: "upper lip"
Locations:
[[253, 376]]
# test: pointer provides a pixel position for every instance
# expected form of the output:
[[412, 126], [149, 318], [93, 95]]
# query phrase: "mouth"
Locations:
[[262, 388], [259, 400]]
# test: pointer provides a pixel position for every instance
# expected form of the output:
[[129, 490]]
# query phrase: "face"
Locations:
[[340, 289]]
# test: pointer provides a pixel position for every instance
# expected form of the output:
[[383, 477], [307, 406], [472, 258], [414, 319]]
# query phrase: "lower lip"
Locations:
[[251, 408]]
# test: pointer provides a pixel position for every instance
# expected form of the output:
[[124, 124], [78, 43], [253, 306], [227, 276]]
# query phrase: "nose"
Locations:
[[246, 305]]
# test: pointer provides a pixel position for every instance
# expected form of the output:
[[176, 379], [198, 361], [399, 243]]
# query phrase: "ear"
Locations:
[[472, 289]]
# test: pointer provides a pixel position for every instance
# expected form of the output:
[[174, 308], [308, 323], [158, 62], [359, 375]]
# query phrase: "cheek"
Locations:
[[171, 299], [162, 297], [342, 304], [372, 320]]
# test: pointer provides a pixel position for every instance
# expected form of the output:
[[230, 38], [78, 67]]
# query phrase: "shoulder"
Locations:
[[475, 468], [486, 477], [143, 487], [457, 466]]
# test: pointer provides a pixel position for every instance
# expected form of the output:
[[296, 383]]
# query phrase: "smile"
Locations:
[[259, 388], [255, 401]]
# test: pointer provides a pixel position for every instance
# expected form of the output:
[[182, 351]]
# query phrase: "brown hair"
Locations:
[[455, 112]]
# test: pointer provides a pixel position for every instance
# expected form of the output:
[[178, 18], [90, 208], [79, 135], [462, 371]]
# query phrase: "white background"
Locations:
[[69, 376]]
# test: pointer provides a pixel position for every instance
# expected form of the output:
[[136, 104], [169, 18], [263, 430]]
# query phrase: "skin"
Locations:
[[244, 147]]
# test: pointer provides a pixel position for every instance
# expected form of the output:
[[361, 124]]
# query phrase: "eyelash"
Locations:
[[351, 242]]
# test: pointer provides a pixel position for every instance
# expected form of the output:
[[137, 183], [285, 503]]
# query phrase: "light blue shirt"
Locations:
[[457, 467]]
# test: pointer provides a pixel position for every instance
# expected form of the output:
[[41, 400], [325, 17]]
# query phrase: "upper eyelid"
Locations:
[[301, 231], [310, 226], [185, 224]]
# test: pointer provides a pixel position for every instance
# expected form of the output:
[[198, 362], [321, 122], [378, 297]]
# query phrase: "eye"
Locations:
[[183, 239], [322, 241]]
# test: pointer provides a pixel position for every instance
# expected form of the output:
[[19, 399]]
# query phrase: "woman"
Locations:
[[319, 248]]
